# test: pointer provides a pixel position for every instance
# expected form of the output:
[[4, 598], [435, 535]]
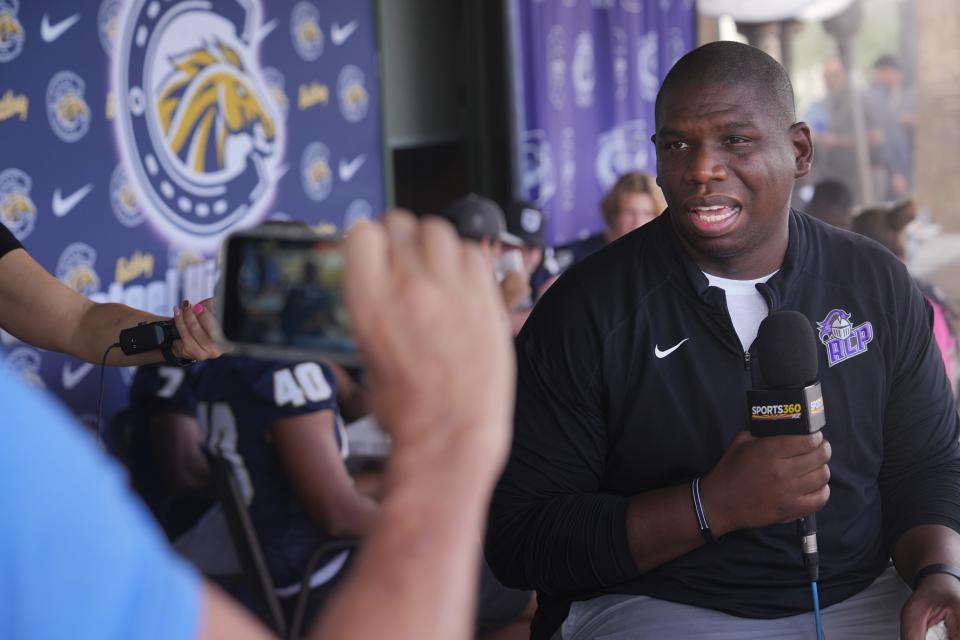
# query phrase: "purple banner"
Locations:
[[587, 76]]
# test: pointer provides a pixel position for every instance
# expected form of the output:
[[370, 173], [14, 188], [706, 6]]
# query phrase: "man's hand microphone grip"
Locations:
[[148, 336], [790, 401]]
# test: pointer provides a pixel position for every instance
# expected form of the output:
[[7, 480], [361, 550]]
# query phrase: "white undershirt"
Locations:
[[746, 306]]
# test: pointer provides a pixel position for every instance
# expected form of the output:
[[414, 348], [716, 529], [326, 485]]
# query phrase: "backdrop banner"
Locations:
[[138, 133], [587, 76]]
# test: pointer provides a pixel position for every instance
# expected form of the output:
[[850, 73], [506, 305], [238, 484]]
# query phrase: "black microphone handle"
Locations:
[[147, 336], [807, 529], [170, 329]]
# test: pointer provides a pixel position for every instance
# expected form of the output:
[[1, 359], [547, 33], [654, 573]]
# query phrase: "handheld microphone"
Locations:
[[791, 402], [147, 336]]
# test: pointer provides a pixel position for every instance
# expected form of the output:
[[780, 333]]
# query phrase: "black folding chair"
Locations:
[[252, 560]]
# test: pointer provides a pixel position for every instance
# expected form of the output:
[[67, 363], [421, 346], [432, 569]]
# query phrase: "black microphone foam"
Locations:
[[786, 350]]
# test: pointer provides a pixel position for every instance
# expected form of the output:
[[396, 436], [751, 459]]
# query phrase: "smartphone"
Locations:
[[281, 295]]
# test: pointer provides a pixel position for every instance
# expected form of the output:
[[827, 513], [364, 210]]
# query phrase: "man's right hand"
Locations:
[[764, 481]]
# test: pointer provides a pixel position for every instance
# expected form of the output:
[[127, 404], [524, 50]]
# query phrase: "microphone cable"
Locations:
[[103, 364], [815, 592]]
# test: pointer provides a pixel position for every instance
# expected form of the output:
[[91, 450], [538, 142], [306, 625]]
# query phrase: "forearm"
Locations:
[[419, 567], [662, 525], [42, 311], [567, 543], [100, 326], [924, 545], [353, 516]]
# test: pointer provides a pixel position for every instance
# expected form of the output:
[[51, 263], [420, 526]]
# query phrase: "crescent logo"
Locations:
[[67, 109], [621, 149], [315, 172], [12, 35], [26, 362], [539, 174], [123, 200], [108, 18], [648, 61], [17, 211], [200, 137], [305, 31], [75, 268]]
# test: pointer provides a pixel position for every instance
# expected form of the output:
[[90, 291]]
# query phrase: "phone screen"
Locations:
[[284, 294]]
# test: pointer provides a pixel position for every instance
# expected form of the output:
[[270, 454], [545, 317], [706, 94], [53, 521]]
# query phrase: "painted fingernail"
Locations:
[[185, 304], [198, 308], [176, 311]]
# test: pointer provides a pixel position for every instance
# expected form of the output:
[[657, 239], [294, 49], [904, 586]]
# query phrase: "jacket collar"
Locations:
[[687, 275]]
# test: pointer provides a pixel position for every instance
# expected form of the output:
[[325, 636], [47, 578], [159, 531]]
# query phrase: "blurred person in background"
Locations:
[[481, 220], [887, 224], [278, 423], [832, 202], [158, 439], [832, 121], [74, 544], [632, 201], [887, 85], [526, 221]]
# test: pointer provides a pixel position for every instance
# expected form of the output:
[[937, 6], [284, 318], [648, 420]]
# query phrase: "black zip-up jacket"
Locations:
[[601, 418]]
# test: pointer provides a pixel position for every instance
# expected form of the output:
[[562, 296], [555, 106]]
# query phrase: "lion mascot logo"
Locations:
[[208, 100], [200, 137]]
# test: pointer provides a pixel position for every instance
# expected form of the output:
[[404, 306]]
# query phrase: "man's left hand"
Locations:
[[936, 599]]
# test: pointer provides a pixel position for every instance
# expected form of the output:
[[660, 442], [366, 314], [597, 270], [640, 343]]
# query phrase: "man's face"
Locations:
[[887, 77], [532, 255], [834, 76], [727, 161], [634, 211]]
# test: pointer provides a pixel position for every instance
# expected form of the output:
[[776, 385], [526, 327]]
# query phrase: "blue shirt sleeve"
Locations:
[[80, 558]]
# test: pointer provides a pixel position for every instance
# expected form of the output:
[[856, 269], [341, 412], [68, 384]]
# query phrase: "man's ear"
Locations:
[[802, 148]]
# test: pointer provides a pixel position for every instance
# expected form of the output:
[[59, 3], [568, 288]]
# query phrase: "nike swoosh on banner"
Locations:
[[349, 169], [664, 354], [62, 206], [72, 377], [50, 32], [339, 35]]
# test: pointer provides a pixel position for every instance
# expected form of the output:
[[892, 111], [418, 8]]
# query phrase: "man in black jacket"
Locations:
[[632, 375]]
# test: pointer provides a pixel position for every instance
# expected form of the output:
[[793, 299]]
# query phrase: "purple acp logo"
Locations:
[[843, 340]]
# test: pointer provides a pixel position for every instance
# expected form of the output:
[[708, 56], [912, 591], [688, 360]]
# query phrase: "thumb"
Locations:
[[953, 626], [913, 621]]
